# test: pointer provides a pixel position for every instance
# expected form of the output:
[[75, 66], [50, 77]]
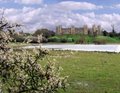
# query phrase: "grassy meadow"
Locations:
[[86, 39], [89, 72]]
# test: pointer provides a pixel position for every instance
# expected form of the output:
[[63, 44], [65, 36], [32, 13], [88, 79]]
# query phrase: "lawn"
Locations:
[[86, 39], [17, 45], [89, 72]]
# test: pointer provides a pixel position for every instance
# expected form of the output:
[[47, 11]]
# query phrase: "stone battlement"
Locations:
[[95, 30]]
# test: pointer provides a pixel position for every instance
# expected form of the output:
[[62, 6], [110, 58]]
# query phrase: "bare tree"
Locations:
[[113, 28]]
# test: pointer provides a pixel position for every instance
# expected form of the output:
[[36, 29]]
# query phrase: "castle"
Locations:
[[95, 30]]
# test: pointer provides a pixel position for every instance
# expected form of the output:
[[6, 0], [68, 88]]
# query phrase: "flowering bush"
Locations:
[[21, 72]]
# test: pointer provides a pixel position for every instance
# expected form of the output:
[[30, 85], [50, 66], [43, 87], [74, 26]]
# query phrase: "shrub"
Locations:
[[19, 38], [21, 72], [99, 42], [70, 40], [81, 40], [105, 33], [63, 40], [44, 40], [35, 40], [54, 39]]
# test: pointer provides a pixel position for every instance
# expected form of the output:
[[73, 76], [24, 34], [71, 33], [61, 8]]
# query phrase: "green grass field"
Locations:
[[87, 39], [89, 72], [17, 45]]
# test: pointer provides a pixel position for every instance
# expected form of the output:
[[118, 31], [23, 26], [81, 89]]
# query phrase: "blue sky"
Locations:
[[50, 13]]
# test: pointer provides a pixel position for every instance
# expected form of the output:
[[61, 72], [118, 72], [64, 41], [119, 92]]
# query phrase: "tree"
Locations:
[[105, 33], [113, 33], [46, 33], [21, 72], [113, 29]]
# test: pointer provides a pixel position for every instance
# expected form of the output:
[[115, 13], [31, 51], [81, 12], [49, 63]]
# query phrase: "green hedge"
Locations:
[[54, 39]]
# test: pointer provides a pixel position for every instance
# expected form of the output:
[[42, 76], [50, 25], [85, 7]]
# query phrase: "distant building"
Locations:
[[95, 30]]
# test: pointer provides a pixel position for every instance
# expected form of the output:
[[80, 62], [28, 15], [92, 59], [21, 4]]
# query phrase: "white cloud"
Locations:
[[29, 1], [72, 5], [116, 6], [24, 1], [50, 16], [42, 17]]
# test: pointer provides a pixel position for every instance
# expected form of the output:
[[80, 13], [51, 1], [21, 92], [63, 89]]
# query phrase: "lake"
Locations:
[[80, 47]]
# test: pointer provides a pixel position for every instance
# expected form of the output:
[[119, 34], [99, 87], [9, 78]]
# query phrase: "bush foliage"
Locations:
[[21, 72]]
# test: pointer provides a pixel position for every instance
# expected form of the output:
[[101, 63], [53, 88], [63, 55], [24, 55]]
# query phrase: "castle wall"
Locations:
[[72, 30], [79, 31], [95, 30], [66, 30]]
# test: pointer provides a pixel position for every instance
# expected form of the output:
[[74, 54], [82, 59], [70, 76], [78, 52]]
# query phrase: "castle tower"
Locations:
[[99, 29], [94, 30], [85, 30], [59, 30], [72, 30]]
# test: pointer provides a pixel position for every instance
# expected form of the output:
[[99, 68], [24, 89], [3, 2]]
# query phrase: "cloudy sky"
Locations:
[[36, 14]]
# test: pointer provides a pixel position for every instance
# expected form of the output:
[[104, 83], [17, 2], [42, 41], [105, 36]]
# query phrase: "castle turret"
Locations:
[[99, 30], [59, 30], [94, 30], [85, 30]]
